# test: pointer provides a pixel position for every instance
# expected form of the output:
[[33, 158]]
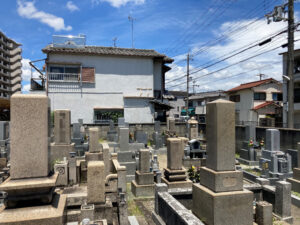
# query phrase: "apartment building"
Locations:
[[97, 83], [10, 71]]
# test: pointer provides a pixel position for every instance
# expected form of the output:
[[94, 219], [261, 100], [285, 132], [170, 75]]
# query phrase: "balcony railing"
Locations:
[[64, 77]]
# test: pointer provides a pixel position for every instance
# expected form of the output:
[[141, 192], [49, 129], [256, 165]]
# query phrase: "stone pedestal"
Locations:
[[234, 208], [171, 127], [283, 201], [93, 156], [221, 187], [58, 152]]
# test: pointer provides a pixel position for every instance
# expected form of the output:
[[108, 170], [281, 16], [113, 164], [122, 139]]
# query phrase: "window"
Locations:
[[68, 73], [259, 96], [177, 108], [235, 98], [105, 115], [277, 96], [297, 95]]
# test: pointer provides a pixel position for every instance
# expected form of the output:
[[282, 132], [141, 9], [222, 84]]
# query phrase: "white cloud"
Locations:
[[71, 6], [26, 71], [119, 3], [28, 10], [25, 88], [268, 63]]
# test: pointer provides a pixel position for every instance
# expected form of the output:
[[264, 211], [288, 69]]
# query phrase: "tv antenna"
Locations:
[[131, 19]]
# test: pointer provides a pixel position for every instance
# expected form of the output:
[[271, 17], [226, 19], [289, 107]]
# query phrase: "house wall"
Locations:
[[245, 105], [157, 75], [175, 104], [269, 89], [116, 77]]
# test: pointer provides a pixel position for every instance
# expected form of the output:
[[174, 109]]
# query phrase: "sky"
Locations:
[[214, 32]]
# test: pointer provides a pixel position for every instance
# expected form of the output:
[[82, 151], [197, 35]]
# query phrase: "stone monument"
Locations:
[[95, 151], [175, 173], [295, 181], [143, 185], [192, 128], [278, 163], [30, 188], [62, 146], [220, 195]]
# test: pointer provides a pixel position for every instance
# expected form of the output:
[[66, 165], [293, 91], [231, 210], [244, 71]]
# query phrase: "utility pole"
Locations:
[[278, 15], [187, 82], [115, 41], [131, 19], [290, 67]]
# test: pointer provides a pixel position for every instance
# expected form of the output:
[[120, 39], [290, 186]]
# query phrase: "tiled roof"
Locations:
[[208, 94], [99, 50], [251, 85], [265, 104]]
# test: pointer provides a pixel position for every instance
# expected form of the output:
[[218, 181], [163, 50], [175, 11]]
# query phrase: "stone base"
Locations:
[[142, 190], [127, 156], [234, 208], [144, 178], [3, 163], [221, 181], [296, 173], [295, 184], [34, 189], [38, 215], [196, 162], [247, 162], [175, 175], [93, 156], [130, 168], [58, 152], [177, 184]]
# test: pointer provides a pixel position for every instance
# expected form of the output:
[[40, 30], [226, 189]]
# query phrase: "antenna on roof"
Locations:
[[131, 19], [261, 75], [115, 41]]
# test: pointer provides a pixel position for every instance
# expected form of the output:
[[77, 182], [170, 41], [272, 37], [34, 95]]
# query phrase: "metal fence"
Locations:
[[64, 77]]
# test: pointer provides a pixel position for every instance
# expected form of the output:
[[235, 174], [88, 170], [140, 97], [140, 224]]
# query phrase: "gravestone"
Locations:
[[250, 133], [95, 153], [143, 185], [171, 127], [157, 126], [124, 138], [280, 163], [62, 146], [30, 183], [112, 134], [62, 129], [192, 128], [4, 130], [175, 174], [283, 201], [96, 182], [295, 181], [221, 186]]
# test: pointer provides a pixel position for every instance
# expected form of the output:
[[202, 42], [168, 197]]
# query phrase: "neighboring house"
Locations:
[[199, 101], [10, 72], [257, 100], [177, 101], [97, 83], [296, 88]]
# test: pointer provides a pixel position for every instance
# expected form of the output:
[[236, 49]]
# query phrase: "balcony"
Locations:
[[63, 77]]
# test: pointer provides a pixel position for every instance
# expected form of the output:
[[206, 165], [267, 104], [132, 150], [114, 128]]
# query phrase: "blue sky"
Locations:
[[173, 27]]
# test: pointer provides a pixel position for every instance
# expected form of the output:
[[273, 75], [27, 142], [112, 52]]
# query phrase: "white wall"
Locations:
[[115, 78], [178, 103], [157, 75]]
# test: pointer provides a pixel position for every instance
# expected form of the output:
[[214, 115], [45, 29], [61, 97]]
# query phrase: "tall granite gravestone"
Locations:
[[175, 174], [30, 183], [126, 157], [78, 139], [143, 185], [112, 134], [156, 136], [295, 181], [171, 127], [220, 196], [283, 201], [62, 146], [95, 151], [96, 182]]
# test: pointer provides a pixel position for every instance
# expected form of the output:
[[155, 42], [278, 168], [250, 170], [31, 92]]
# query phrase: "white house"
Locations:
[[97, 82], [256, 100], [177, 101]]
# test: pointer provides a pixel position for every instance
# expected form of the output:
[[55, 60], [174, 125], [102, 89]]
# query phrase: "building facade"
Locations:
[[101, 83], [256, 101], [199, 101], [10, 71], [177, 101]]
